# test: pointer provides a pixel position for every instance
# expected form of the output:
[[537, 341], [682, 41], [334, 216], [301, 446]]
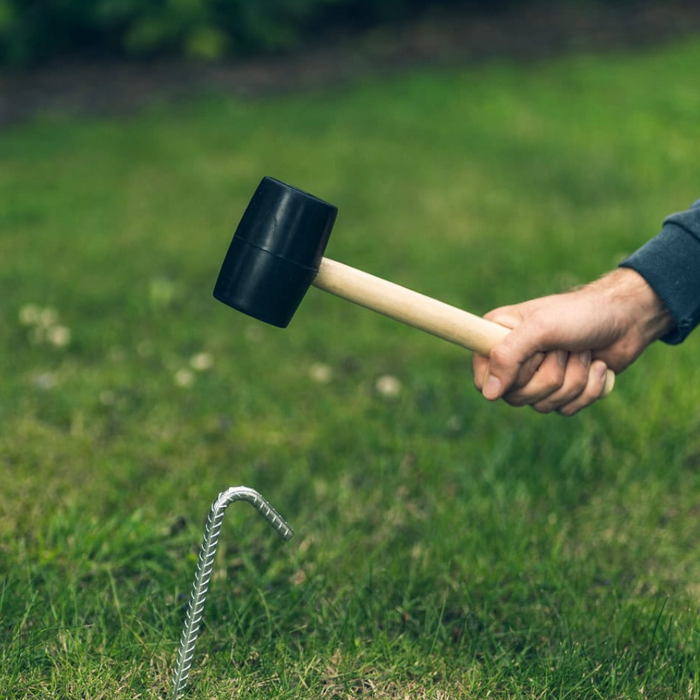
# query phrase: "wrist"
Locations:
[[640, 308]]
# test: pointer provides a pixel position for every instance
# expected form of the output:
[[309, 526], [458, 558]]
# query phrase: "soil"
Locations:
[[529, 33]]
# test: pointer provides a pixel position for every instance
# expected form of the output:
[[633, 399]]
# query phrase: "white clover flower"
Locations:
[[44, 326], [201, 362], [184, 378], [388, 386], [58, 336], [29, 314], [48, 317], [320, 373]]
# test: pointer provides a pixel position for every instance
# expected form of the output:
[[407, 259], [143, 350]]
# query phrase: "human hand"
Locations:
[[557, 355]]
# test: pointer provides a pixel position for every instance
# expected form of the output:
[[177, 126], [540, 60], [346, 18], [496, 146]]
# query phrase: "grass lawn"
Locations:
[[444, 547]]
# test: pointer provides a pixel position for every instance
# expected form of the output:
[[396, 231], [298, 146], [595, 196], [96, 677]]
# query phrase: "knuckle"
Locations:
[[574, 386], [585, 399], [501, 355], [578, 386], [553, 382], [572, 392], [550, 378]]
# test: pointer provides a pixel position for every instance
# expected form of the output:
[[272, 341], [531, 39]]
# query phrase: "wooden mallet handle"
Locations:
[[417, 310]]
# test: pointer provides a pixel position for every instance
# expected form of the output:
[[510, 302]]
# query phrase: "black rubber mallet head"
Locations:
[[277, 253]]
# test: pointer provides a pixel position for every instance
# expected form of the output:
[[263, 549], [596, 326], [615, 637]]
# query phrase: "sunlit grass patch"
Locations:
[[444, 547]]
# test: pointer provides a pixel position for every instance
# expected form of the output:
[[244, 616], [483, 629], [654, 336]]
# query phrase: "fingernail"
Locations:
[[585, 358], [492, 387], [562, 357], [600, 370]]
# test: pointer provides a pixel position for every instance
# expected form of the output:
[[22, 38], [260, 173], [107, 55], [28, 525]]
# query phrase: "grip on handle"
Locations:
[[417, 310]]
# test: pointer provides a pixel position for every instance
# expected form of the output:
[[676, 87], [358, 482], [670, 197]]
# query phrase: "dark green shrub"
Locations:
[[35, 30]]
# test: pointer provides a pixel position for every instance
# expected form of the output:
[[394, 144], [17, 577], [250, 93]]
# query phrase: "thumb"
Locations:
[[515, 359]]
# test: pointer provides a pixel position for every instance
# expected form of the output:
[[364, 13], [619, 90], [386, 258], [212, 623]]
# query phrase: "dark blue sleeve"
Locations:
[[670, 263]]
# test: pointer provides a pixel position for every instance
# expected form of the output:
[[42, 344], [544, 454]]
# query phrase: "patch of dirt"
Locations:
[[458, 37]]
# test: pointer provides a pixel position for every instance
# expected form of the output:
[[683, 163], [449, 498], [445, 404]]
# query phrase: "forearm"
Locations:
[[557, 353], [670, 263]]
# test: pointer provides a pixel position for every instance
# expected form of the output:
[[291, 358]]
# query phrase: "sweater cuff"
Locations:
[[670, 263]]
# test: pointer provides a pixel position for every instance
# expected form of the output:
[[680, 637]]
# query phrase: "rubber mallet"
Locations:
[[277, 253]]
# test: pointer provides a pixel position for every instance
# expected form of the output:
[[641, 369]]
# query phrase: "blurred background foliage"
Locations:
[[33, 31]]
